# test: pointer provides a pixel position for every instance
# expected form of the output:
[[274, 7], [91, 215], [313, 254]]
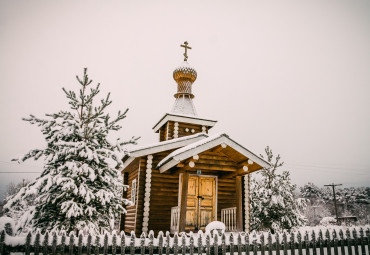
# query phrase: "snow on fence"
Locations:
[[355, 242]]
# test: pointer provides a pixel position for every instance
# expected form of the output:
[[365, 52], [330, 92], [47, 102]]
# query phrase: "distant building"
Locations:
[[346, 220]]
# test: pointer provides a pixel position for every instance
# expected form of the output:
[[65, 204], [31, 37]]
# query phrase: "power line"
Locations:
[[335, 200], [19, 172], [16, 164]]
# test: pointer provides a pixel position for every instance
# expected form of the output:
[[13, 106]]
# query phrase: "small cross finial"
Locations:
[[186, 50]]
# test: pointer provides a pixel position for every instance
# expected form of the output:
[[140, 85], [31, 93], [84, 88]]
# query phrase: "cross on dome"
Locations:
[[185, 45]]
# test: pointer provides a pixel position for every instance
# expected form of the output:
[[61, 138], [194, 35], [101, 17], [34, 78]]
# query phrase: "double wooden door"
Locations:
[[201, 202]]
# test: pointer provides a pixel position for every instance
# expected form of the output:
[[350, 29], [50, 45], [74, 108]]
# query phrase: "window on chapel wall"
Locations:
[[133, 191]]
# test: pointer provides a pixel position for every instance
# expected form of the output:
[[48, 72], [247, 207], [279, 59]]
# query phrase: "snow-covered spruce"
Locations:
[[79, 187], [273, 205]]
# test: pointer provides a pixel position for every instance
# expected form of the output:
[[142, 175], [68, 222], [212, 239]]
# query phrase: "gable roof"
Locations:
[[161, 146], [205, 144]]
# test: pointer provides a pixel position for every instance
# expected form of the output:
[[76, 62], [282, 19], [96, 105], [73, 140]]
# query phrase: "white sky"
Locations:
[[294, 75]]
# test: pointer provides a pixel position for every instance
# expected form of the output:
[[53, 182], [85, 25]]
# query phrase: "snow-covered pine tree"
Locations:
[[316, 209], [273, 204], [311, 192], [78, 187]]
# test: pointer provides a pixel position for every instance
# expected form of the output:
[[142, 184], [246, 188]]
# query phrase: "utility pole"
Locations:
[[335, 200]]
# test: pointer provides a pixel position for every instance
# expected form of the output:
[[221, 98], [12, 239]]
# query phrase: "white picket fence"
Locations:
[[323, 242]]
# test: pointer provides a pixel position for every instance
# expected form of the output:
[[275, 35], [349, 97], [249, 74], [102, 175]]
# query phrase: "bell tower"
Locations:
[[183, 119]]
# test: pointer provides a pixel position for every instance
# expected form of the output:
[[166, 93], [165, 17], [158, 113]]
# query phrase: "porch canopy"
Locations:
[[215, 155], [245, 160]]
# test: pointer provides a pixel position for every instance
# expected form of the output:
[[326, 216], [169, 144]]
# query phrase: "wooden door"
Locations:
[[200, 202]]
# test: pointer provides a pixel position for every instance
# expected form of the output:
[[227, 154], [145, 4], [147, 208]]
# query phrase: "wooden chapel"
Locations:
[[189, 178]]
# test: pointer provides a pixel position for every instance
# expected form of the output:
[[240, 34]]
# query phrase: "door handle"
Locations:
[[200, 197]]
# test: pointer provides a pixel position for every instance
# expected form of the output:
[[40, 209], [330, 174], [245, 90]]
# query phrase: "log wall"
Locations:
[[130, 217]]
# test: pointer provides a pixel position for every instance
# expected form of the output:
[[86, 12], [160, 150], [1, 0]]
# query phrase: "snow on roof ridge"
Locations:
[[177, 117], [189, 147], [187, 116], [168, 142]]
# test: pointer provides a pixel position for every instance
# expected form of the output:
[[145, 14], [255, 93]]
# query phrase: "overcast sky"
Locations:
[[294, 75]]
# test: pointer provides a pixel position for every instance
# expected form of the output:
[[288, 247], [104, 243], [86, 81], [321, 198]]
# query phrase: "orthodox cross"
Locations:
[[186, 50]]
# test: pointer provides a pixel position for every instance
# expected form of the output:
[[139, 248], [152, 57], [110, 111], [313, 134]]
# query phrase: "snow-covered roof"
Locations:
[[184, 105], [161, 146], [183, 118], [205, 144]]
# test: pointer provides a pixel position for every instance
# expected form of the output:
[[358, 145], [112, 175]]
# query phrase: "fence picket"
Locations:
[[349, 243], [183, 243], [313, 241], [246, 244], [45, 244], [255, 246], [37, 243], [269, 242], [240, 244], [307, 244], [71, 243], [160, 243], [200, 243], [132, 243], [123, 243], [231, 241], [191, 244], [142, 243], [88, 246], [2, 242], [176, 244], [28, 244], [223, 244], [63, 244], [292, 244], [80, 244], [215, 244], [320, 240], [335, 243], [105, 247], [300, 247], [342, 250], [285, 243], [151, 239], [354, 234], [97, 245], [277, 244], [262, 240], [362, 242], [208, 245], [167, 243], [114, 244], [328, 242]]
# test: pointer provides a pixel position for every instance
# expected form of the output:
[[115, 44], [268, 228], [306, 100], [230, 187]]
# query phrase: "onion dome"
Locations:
[[184, 75]]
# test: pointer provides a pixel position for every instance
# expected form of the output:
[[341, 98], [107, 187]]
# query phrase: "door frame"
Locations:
[[199, 175]]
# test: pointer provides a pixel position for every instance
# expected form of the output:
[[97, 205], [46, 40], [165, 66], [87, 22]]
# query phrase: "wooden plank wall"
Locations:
[[181, 132], [183, 126], [140, 197], [164, 195], [226, 195], [129, 218]]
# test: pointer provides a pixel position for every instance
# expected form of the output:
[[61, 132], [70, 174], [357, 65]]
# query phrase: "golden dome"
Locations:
[[185, 72]]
